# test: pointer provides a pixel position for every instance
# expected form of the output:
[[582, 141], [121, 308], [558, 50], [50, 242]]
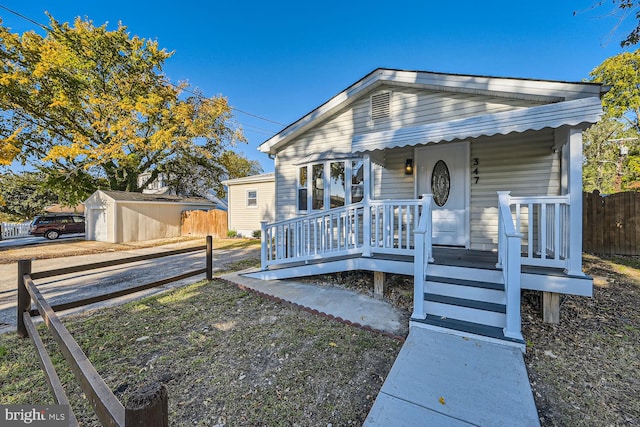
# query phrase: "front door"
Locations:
[[441, 171]]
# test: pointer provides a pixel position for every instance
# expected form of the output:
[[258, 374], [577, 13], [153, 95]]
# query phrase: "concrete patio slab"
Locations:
[[337, 302]]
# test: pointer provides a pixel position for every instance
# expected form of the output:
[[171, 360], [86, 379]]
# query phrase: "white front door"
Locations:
[[442, 171]]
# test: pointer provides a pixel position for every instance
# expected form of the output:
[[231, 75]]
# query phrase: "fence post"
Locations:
[[209, 258], [24, 299], [148, 406]]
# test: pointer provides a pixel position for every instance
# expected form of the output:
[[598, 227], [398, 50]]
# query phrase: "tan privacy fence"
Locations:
[[204, 223], [611, 224]]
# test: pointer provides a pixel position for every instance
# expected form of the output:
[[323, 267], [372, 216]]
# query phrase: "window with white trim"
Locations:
[[337, 184], [330, 184], [252, 198], [357, 181]]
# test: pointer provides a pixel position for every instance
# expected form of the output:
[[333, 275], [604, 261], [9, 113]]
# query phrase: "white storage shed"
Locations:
[[120, 216]]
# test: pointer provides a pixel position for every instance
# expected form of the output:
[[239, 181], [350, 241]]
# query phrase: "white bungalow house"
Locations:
[[472, 184]]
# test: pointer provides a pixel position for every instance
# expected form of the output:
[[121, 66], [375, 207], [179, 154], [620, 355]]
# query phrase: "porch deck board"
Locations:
[[442, 255]]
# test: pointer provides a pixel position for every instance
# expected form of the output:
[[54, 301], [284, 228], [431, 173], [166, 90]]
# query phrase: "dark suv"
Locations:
[[53, 225]]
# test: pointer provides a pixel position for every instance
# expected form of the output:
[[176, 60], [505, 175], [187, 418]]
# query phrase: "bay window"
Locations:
[[330, 184]]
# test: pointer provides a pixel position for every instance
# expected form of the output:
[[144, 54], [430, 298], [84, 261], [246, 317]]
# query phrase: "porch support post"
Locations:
[[378, 284], [574, 262], [551, 307], [366, 215]]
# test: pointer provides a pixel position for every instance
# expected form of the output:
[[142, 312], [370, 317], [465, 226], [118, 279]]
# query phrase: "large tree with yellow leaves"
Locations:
[[84, 103]]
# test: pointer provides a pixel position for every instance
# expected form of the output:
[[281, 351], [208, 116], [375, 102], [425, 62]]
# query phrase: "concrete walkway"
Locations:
[[442, 379], [438, 379]]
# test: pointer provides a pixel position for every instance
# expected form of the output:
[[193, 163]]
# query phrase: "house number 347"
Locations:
[[474, 170]]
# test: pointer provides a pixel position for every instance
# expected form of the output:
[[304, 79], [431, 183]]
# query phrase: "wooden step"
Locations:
[[467, 327], [466, 289], [466, 273], [466, 303], [468, 310], [465, 282]]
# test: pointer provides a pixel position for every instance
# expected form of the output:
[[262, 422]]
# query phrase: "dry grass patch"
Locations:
[[586, 370], [227, 357]]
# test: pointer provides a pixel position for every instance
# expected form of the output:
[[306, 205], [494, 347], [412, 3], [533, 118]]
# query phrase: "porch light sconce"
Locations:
[[408, 167]]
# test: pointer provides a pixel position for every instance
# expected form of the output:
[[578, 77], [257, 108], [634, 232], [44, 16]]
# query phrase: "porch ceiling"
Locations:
[[568, 113]]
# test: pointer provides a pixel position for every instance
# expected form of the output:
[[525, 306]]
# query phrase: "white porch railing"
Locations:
[[10, 230], [510, 259], [376, 226], [392, 226], [544, 224], [332, 233]]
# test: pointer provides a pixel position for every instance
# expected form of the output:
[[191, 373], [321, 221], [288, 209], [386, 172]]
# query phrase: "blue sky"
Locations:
[[279, 60]]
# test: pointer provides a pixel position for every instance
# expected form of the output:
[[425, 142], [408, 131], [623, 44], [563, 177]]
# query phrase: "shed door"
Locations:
[[99, 224], [442, 172]]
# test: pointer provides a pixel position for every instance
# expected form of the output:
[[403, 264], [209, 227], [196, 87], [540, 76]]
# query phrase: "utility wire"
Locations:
[[26, 18], [199, 95]]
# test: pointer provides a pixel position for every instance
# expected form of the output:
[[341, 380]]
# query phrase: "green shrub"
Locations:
[[256, 234], [232, 234]]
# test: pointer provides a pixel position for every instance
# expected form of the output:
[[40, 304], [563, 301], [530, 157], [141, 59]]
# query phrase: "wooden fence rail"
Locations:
[[148, 405], [611, 224]]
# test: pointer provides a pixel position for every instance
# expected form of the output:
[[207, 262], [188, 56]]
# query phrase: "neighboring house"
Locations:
[[472, 184], [120, 216], [251, 200], [159, 186]]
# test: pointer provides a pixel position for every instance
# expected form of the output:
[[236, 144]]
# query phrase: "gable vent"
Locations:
[[381, 106]]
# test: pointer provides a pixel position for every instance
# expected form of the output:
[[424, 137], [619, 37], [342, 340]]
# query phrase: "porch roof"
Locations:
[[569, 113]]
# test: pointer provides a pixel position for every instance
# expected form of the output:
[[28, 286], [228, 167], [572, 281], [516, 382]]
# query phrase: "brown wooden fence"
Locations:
[[147, 406], [204, 223], [611, 224]]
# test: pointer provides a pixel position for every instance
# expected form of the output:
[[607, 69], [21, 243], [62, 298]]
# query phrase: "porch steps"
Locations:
[[468, 327], [465, 301]]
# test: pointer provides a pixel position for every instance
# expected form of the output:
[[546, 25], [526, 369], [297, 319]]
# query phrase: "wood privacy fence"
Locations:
[[204, 223], [148, 405], [611, 224]]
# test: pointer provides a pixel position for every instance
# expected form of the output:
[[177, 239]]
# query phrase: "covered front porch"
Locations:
[[502, 189], [455, 288]]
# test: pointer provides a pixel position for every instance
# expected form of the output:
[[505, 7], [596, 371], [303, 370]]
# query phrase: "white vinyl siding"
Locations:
[[391, 182], [410, 107], [413, 107], [524, 164]]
